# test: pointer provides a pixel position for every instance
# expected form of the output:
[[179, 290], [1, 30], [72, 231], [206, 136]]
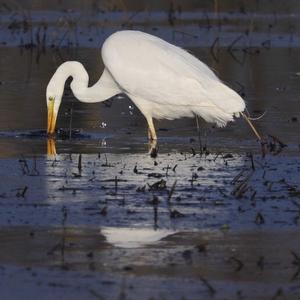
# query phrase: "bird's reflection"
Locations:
[[133, 237], [51, 147]]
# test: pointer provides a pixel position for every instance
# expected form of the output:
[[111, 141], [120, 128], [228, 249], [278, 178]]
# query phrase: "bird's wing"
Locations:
[[152, 69]]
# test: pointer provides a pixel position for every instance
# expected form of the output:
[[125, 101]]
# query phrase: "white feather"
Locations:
[[167, 82], [164, 81]]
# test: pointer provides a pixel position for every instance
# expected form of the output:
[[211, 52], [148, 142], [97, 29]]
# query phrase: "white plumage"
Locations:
[[163, 81]]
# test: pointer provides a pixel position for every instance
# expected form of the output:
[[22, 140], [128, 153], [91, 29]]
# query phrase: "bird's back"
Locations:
[[171, 79]]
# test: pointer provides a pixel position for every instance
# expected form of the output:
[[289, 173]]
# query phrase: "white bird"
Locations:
[[163, 81]]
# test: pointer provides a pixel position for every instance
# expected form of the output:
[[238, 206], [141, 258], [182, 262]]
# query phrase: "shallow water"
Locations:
[[120, 224], [255, 50], [204, 264], [269, 82]]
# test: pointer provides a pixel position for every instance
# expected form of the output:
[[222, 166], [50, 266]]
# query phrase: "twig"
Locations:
[[172, 190]]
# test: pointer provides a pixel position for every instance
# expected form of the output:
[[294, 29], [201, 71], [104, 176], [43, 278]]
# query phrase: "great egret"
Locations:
[[163, 81]]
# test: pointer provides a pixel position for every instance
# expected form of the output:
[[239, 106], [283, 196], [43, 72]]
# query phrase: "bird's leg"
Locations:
[[149, 134], [152, 138], [199, 134], [153, 148], [151, 130]]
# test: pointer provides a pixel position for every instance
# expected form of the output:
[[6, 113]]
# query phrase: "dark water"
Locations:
[[268, 80], [117, 224], [252, 49]]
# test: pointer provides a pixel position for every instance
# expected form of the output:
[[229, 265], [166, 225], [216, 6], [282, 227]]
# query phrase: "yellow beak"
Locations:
[[51, 118]]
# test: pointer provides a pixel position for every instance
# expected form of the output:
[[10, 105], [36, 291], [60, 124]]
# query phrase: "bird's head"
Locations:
[[55, 89], [53, 103]]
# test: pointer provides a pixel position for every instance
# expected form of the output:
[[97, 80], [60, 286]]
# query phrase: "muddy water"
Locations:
[[114, 223]]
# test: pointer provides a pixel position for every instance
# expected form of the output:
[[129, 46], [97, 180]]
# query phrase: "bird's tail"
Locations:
[[213, 114], [221, 118]]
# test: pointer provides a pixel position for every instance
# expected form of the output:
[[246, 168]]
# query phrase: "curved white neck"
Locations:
[[102, 90]]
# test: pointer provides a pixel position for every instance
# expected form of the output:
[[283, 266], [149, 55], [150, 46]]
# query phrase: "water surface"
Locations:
[[104, 220]]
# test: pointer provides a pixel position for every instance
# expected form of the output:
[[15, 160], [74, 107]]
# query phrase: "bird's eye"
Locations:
[[51, 98]]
